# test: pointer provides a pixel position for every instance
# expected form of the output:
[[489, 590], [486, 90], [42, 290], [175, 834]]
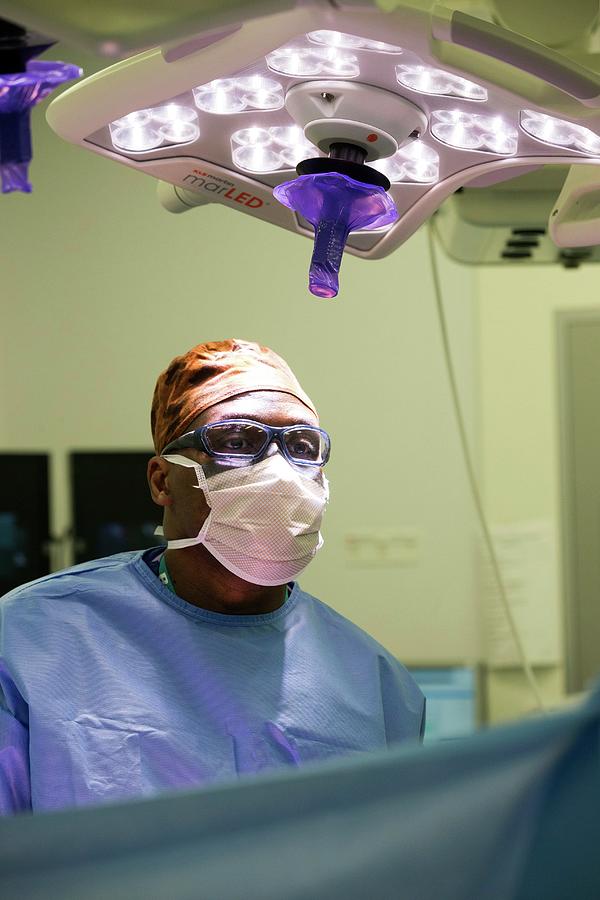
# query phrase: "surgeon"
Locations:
[[171, 668]]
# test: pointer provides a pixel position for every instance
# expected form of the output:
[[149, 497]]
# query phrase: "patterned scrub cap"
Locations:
[[210, 373]]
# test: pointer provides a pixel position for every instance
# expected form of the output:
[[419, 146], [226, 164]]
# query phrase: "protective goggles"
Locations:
[[243, 439]]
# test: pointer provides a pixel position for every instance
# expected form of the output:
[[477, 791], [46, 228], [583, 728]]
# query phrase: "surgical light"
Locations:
[[256, 158], [135, 119], [171, 113], [294, 145], [270, 149], [252, 136], [471, 131], [147, 129], [292, 136], [136, 139], [295, 153], [351, 41], [232, 95], [559, 132], [313, 61], [428, 80], [416, 163], [179, 132], [261, 92], [225, 116], [219, 97]]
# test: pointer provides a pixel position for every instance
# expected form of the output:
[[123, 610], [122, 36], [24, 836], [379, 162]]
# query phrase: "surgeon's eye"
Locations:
[[304, 448], [235, 440], [236, 444]]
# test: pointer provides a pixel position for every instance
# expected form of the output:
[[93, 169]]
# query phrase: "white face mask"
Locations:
[[264, 519]]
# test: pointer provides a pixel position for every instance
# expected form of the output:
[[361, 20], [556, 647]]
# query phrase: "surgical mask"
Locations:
[[264, 519]]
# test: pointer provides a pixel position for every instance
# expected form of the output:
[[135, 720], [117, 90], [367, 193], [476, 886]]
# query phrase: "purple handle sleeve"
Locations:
[[335, 205], [19, 92]]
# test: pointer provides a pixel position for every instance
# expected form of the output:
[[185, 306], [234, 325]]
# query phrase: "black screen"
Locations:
[[24, 519], [112, 507]]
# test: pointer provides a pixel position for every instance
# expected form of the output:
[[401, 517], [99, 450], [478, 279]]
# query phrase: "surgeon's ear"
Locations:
[[158, 481]]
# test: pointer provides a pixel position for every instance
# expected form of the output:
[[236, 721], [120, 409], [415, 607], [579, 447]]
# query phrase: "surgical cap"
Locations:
[[210, 373]]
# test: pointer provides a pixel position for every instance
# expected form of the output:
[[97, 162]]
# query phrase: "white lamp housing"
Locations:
[[227, 115]]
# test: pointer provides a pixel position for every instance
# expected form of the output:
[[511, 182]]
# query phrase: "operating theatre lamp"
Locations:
[[345, 123]]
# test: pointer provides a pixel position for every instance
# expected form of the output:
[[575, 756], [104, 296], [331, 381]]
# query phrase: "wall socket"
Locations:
[[382, 548]]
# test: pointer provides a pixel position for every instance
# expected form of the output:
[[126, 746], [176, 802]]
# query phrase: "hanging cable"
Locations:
[[488, 540]]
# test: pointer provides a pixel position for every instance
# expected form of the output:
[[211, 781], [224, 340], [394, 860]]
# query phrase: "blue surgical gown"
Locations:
[[111, 687], [510, 814]]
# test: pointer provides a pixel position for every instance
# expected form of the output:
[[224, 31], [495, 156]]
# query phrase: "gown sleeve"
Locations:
[[15, 786], [403, 702]]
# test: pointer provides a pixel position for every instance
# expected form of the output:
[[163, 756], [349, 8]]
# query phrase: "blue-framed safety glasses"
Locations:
[[244, 439]]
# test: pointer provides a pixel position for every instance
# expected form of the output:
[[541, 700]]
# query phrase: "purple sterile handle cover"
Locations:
[[19, 92], [335, 205]]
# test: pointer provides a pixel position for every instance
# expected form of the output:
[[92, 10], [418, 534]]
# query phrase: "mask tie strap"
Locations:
[[177, 459]]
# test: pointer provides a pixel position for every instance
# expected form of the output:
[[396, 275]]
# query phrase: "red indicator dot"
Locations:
[[372, 137]]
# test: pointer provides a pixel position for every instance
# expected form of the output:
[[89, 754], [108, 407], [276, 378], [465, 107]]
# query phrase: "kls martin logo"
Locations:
[[226, 189]]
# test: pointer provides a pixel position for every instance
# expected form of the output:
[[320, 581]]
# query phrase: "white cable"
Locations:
[[489, 543]]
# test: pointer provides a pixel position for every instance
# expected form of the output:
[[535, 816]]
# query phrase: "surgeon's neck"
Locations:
[[200, 579]]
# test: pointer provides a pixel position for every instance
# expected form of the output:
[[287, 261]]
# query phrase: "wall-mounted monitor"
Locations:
[[112, 507], [24, 519]]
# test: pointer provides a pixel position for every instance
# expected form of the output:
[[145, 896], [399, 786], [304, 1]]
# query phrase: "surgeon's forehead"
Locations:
[[270, 407]]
